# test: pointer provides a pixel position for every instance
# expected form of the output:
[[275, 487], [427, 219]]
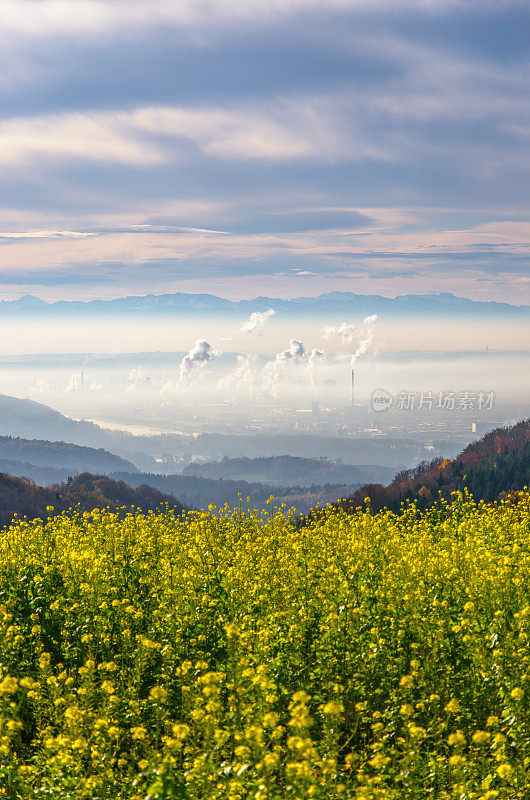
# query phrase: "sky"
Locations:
[[279, 148]]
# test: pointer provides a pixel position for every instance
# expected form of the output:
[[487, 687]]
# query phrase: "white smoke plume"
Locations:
[[272, 373], [367, 334], [295, 351], [137, 380], [348, 333], [257, 320], [345, 333], [315, 357], [200, 354], [75, 382], [40, 387], [241, 378], [255, 323]]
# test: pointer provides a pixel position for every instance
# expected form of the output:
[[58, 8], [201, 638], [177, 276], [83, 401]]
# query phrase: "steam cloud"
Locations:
[[345, 333], [257, 320], [40, 387], [368, 333], [200, 354], [272, 373], [348, 333], [242, 377], [75, 382], [137, 380], [197, 357], [315, 357]]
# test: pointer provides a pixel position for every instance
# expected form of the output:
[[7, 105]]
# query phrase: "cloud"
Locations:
[[257, 321], [307, 219], [313, 361], [288, 129], [241, 378], [347, 333], [200, 354], [321, 143], [89, 18], [45, 235], [273, 370], [94, 137]]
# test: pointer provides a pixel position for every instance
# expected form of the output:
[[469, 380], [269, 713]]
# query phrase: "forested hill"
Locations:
[[489, 468], [289, 471], [21, 497], [60, 455]]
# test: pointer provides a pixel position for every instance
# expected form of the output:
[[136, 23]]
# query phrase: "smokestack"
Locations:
[[352, 387], [315, 409]]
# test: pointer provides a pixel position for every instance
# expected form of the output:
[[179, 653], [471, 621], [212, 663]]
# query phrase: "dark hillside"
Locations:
[[496, 464], [289, 470], [61, 455], [26, 499]]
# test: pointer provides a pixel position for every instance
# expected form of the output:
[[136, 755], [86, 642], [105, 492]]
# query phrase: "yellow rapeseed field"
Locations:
[[240, 655]]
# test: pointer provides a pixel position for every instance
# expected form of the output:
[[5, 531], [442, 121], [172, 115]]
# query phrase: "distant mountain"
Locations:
[[491, 468], [60, 455], [18, 496], [289, 471], [442, 303], [32, 420]]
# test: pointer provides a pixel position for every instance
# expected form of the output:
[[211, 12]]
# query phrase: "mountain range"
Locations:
[[442, 303]]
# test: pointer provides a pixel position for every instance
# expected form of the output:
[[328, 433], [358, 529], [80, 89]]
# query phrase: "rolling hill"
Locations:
[[289, 471], [23, 498], [490, 468], [72, 458], [22, 417]]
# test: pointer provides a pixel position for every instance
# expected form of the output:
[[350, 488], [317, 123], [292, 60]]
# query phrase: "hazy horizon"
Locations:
[[282, 150]]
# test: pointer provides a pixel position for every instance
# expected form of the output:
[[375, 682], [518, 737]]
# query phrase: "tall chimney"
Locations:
[[352, 388]]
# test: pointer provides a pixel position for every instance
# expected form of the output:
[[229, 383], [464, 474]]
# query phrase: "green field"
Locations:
[[244, 656]]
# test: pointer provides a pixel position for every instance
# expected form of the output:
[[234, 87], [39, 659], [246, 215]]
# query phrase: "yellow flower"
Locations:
[[481, 737], [158, 694], [8, 685], [180, 731], [333, 709], [457, 739], [301, 697], [504, 771]]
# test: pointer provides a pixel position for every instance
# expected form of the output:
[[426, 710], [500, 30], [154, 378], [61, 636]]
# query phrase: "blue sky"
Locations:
[[284, 148]]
